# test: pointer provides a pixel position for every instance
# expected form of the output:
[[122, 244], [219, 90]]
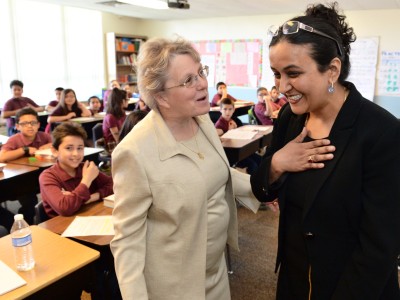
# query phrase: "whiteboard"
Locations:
[[363, 59]]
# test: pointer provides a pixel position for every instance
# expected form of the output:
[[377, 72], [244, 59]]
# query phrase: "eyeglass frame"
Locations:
[[308, 29], [194, 77], [32, 123]]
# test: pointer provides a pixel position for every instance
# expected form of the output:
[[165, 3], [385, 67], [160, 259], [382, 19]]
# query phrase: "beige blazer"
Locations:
[[160, 213]]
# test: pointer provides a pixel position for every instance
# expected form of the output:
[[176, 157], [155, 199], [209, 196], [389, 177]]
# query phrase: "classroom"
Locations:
[[77, 51]]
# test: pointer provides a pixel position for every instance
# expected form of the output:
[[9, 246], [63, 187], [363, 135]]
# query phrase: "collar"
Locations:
[[26, 141], [63, 175]]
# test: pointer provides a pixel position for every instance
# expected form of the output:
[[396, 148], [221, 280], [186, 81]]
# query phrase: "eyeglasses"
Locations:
[[292, 27], [263, 94], [32, 123], [192, 80]]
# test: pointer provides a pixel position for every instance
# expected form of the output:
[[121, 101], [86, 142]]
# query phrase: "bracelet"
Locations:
[[26, 150]]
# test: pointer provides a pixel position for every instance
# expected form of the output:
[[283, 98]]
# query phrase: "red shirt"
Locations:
[[19, 140], [15, 104], [54, 180], [110, 121], [218, 97]]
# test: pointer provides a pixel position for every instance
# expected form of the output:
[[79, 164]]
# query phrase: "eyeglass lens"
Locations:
[[32, 123]]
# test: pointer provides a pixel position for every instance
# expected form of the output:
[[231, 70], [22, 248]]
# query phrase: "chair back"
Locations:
[[256, 121], [97, 134], [40, 214]]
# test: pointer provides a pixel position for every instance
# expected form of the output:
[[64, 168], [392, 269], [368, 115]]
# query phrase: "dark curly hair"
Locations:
[[327, 19]]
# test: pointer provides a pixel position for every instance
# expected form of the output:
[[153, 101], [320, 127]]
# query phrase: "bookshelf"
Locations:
[[122, 50]]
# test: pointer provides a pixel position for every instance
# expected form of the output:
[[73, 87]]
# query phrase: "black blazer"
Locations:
[[351, 218]]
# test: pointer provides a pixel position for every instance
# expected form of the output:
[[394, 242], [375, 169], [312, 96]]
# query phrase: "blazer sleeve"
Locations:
[[132, 202], [371, 264]]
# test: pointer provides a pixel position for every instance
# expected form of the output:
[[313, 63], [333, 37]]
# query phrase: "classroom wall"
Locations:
[[369, 23]]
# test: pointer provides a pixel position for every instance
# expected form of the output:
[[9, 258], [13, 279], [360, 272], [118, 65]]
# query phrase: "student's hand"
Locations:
[[224, 93], [32, 151], [297, 156], [232, 125], [267, 98], [89, 173], [71, 115]]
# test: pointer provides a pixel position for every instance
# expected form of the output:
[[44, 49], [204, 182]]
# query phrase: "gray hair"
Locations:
[[152, 65]]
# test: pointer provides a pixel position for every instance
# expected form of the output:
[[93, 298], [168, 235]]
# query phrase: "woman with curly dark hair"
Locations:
[[334, 165]]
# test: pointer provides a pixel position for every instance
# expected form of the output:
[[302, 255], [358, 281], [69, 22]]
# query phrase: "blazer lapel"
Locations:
[[341, 132]]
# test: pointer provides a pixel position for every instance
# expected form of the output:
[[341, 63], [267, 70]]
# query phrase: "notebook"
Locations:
[[10, 280]]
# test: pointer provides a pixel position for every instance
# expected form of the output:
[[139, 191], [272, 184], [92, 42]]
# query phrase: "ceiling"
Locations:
[[221, 8]]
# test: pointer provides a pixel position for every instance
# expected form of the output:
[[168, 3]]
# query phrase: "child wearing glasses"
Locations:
[[222, 92], [28, 140], [23, 144], [17, 102]]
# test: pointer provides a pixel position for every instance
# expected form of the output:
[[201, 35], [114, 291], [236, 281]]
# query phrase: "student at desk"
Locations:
[[26, 143], [94, 105], [69, 184], [53, 103], [227, 122], [68, 108], [264, 109], [15, 103], [222, 92], [115, 117]]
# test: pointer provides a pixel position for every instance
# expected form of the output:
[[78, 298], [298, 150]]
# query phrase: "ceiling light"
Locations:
[[155, 4]]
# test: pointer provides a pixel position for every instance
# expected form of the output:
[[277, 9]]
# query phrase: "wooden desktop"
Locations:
[[56, 259]]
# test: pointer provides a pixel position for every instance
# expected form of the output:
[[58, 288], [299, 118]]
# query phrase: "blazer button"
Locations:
[[309, 235]]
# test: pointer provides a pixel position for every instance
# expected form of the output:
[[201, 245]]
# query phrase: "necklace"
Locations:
[[199, 154]]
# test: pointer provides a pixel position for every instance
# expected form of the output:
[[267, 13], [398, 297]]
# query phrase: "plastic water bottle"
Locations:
[[21, 236]]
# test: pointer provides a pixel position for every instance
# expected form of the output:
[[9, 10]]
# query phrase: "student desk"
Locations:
[[59, 263], [17, 180], [59, 224], [104, 284], [241, 109], [236, 149]]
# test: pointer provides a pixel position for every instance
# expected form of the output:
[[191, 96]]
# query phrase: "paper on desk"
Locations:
[[10, 280], [256, 128], [237, 134], [44, 152], [93, 225]]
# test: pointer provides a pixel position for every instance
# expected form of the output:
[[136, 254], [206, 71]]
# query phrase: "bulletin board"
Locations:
[[389, 73], [235, 62]]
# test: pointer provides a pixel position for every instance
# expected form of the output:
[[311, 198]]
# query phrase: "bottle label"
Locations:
[[22, 241]]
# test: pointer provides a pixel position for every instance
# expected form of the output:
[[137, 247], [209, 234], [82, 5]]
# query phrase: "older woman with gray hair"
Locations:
[[175, 192]]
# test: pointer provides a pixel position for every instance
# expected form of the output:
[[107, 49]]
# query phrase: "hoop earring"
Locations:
[[331, 89]]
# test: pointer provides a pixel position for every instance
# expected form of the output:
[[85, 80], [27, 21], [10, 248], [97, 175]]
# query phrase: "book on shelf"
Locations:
[[109, 201]]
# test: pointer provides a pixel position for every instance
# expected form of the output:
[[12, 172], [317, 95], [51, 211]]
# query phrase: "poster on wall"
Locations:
[[235, 62], [363, 60], [389, 73]]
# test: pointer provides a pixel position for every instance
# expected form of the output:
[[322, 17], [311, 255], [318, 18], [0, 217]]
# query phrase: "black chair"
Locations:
[[257, 121], [98, 142], [40, 214]]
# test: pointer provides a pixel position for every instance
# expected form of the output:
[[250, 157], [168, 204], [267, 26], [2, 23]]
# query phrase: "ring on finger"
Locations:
[[311, 159]]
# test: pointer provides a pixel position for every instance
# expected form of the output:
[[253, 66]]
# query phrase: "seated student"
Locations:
[[26, 143], [222, 92], [29, 140], [278, 100], [69, 184], [94, 105], [115, 116], [264, 109], [227, 122], [112, 85], [53, 103], [131, 120], [17, 102], [68, 108]]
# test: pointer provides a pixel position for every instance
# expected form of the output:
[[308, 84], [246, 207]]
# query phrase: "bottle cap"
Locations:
[[18, 217]]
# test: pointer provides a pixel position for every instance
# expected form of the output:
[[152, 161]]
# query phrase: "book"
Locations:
[[109, 201]]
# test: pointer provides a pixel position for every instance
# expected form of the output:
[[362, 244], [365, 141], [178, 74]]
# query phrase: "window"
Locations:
[[49, 46]]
